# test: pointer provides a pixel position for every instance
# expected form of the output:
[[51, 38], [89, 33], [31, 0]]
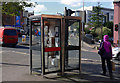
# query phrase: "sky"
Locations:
[[57, 6]]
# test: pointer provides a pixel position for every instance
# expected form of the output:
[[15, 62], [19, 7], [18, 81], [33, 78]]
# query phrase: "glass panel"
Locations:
[[72, 42], [36, 59], [52, 64], [36, 33], [73, 60], [52, 41], [36, 48], [73, 32]]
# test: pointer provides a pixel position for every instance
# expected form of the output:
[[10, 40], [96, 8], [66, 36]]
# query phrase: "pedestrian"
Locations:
[[106, 56]]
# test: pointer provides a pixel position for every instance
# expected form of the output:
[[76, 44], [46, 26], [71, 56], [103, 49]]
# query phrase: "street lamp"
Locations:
[[1, 14], [83, 23], [83, 17]]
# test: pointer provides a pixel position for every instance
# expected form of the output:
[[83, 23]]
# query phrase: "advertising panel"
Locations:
[[17, 20]]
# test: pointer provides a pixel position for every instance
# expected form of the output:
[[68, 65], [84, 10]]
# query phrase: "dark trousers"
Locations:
[[109, 65]]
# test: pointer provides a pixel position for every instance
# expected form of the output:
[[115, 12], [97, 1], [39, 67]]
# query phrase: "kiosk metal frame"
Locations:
[[64, 22]]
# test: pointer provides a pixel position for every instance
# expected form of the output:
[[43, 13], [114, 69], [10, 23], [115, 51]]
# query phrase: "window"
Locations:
[[89, 16], [8, 20], [112, 17], [89, 20], [10, 32]]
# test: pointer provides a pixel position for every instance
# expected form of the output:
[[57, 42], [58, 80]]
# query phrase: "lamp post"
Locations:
[[1, 13], [82, 23]]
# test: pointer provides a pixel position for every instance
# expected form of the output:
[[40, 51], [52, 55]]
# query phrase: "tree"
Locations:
[[107, 31], [110, 26], [96, 17], [13, 8]]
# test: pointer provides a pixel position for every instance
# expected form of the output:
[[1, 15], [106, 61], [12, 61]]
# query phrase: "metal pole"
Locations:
[[83, 23], [30, 47], [42, 46], [65, 11], [79, 49], [1, 14]]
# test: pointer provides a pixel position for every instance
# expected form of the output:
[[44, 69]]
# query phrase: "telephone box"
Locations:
[[55, 44]]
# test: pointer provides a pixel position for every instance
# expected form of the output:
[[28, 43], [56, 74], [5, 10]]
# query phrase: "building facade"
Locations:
[[24, 24], [116, 20], [13, 21], [107, 12]]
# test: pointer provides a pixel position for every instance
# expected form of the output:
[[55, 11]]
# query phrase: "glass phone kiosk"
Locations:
[[55, 44]]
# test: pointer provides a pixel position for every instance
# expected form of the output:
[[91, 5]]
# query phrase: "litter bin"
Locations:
[[23, 38]]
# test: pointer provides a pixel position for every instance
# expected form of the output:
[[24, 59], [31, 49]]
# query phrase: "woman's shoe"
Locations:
[[111, 76], [104, 74]]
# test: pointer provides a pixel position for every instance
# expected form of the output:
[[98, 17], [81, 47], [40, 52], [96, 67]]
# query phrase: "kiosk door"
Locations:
[[72, 44], [51, 44], [35, 44]]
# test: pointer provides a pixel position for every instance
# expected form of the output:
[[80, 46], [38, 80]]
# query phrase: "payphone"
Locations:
[[60, 44]]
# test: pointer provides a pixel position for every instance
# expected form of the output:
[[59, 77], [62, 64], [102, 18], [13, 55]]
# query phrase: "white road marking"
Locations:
[[17, 52], [83, 49], [84, 59]]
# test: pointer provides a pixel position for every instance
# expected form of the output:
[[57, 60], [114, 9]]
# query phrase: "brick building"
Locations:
[[116, 20], [15, 21]]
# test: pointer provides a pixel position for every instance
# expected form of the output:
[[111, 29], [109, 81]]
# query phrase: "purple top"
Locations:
[[107, 44]]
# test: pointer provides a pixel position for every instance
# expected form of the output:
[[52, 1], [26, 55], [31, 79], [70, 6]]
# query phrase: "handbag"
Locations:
[[101, 50], [103, 53]]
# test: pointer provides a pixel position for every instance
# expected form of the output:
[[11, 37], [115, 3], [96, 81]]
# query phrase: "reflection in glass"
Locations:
[[73, 33]]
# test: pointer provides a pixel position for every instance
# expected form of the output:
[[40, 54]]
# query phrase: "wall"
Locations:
[[116, 20], [8, 20]]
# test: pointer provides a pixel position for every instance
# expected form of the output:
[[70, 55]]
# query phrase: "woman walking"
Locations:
[[106, 56]]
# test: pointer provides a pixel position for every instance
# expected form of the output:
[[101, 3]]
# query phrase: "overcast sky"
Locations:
[[54, 6]]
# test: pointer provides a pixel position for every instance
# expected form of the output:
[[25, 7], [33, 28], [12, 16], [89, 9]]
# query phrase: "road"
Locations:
[[16, 63], [17, 59]]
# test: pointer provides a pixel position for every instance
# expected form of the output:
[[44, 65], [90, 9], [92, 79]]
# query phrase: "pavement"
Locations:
[[90, 72]]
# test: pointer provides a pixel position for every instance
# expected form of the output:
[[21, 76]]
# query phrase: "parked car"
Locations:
[[8, 36], [90, 37], [116, 53]]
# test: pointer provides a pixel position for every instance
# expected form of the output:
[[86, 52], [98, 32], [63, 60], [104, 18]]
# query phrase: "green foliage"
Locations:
[[75, 26], [13, 8], [96, 17], [93, 32], [107, 31], [87, 30], [97, 38], [98, 31], [110, 26]]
